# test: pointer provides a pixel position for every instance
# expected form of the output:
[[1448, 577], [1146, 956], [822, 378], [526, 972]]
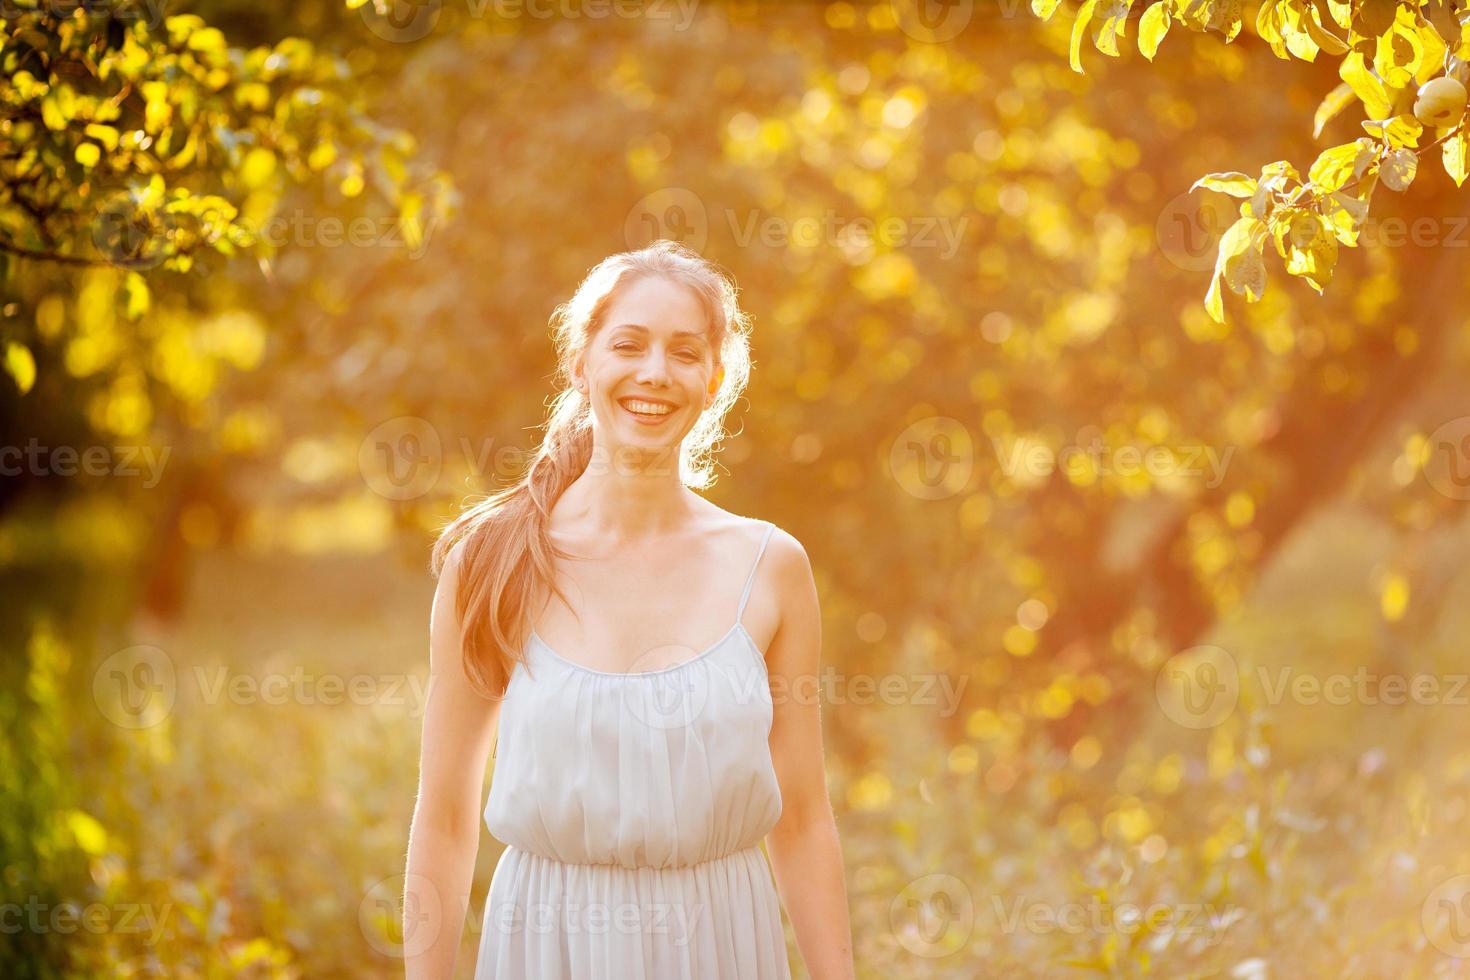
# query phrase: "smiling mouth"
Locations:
[[646, 410]]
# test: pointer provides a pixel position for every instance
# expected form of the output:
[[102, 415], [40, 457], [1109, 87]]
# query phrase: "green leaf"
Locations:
[[1152, 28]]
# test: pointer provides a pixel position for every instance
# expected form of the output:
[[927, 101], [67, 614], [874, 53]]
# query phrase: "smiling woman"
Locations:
[[642, 757]]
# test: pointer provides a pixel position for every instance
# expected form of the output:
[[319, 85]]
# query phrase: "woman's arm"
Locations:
[[805, 854], [459, 725]]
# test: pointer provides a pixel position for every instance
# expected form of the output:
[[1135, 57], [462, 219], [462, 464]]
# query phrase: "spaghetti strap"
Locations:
[[750, 581]]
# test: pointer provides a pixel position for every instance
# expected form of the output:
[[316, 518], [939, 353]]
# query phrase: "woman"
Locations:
[[639, 765]]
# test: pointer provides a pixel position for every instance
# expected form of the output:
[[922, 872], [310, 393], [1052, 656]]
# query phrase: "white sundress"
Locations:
[[632, 806]]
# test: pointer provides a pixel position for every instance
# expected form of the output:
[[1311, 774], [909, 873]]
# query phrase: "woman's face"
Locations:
[[649, 370]]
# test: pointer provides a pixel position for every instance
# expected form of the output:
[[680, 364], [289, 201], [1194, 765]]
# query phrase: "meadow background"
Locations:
[[1199, 587]]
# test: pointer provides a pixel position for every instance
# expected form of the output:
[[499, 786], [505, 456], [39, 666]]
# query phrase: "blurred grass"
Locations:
[[274, 833]]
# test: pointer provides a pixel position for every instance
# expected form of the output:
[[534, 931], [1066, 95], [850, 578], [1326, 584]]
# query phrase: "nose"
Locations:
[[654, 368]]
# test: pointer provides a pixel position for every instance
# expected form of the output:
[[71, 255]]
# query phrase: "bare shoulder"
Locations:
[[784, 552], [791, 566]]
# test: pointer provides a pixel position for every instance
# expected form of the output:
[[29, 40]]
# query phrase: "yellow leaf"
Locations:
[[1301, 44], [1454, 154], [1044, 8], [1345, 213], [1114, 23], [57, 107], [322, 155], [1393, 600], [1370, 90], [1246, 275], [106, 135], [256, 95], [1232, 182], [1400, 51], [1398, 169], [20, 365], [1337, 165], [90, 835], [1323, 38], [1435, 49], [408, 218], [352, 184], [1336, 101], [1152, 29], [1239, 237], [1079, 29], [135, 287], [1400, 131], [258, 167], [206, 39]]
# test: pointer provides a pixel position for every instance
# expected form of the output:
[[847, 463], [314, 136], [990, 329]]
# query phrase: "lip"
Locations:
[[647, 398], [644, 419]]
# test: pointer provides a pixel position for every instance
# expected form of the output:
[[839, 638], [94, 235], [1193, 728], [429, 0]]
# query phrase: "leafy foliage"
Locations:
[[1403, 61]]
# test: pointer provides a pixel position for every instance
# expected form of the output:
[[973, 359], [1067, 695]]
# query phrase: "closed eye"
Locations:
[[690, 355]]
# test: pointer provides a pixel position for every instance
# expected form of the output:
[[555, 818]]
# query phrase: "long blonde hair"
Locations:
[[507, 555]]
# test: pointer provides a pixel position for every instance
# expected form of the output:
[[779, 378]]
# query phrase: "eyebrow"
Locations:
[[696, 334]]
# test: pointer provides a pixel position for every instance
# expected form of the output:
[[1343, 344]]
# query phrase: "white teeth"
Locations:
[[647, 408]]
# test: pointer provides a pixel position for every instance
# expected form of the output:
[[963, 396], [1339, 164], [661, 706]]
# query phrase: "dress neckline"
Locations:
[[737, 627]]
